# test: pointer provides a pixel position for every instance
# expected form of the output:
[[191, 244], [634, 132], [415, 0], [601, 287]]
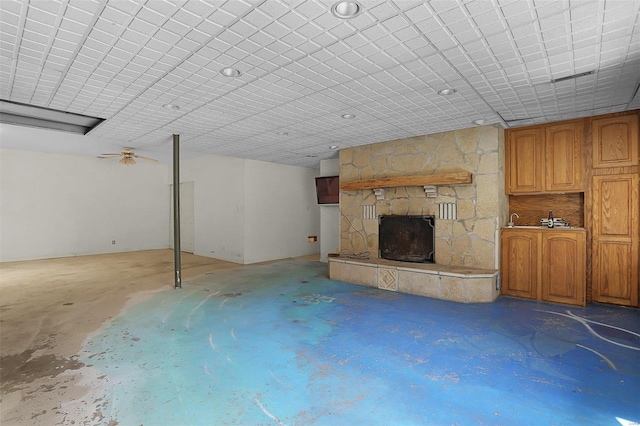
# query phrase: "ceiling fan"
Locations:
[[128, 155]]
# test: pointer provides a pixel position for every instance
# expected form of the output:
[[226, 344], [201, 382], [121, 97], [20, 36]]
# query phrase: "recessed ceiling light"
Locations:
[[479, 121], [334, 147], [171, 107], [348, 116], [230, 72], [446, 92], [346, 9]]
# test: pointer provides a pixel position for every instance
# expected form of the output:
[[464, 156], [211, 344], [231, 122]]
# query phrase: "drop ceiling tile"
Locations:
[[174, 30], [381, 11], [38, 27], [197, 37], [331, 24], [378, 66], [160, 7], [73, 27], [374, 33], [38, 15], [257, 19], [150, 16], [209, 28], [292, 19], [398, 26], [13, 8]]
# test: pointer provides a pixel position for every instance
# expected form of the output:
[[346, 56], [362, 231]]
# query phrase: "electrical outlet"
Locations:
[[113, 241]]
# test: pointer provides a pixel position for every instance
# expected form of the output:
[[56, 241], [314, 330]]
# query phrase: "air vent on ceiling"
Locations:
[[571, 77]]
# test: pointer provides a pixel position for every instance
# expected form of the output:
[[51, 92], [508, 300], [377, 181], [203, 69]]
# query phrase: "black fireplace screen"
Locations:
[[407, 238]]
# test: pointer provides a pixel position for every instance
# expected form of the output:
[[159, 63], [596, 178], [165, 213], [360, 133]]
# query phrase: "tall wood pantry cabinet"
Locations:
[[615, 210]]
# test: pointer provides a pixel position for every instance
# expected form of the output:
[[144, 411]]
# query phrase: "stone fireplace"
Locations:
[[465, 245], [469, 240]]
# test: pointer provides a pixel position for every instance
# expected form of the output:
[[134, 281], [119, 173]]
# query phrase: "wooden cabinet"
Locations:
[[615, 141], [563, 157], [563, 266], [614, 270], [519, 263], [597, 159], [543, 264], [544, 159], [524, 161]]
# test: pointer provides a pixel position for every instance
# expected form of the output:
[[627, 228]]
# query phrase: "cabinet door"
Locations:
[[563, 157], [519, 263], [563, 265], [615, 239], [615, 141], [525, 161]]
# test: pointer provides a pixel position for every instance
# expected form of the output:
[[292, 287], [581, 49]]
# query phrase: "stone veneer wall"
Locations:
[[482, 206]]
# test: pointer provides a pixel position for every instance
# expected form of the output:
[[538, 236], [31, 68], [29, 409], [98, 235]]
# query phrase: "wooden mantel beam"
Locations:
[[454, 178]]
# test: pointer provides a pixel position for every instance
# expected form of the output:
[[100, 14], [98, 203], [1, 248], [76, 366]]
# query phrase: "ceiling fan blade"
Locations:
[[146, 158], [110, 155]]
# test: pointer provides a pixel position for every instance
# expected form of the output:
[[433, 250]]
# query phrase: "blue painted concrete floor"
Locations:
[[281, 344]]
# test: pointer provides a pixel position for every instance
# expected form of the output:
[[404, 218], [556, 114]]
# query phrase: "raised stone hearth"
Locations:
[[458, 284]]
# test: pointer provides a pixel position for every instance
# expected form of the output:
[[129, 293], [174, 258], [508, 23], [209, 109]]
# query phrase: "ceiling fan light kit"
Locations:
[[127, 161], [128, 156]]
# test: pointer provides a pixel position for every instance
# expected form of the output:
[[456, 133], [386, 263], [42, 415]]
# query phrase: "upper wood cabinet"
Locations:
[[563, 157], [615, 141], [524, 163], [544, 159]]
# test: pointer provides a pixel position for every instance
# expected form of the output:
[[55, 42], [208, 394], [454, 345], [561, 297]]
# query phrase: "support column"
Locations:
[[177, 260]]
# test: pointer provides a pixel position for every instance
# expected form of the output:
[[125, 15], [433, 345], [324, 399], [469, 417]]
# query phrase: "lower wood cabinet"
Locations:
[[519, 263], [544, 264], [616, 239]]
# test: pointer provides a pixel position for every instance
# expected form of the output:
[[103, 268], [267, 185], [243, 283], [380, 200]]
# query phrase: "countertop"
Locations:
[[571, 228]]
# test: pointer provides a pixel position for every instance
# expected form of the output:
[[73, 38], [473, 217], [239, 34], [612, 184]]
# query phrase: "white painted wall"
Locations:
[[218, 205], [245, 211], [281, 211], [57, 205], [250, 211], [329, 215]]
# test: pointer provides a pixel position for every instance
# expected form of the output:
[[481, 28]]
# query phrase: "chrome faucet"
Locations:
[[510, 224]]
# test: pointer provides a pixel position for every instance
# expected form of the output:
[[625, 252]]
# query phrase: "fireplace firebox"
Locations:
[[407, 238]]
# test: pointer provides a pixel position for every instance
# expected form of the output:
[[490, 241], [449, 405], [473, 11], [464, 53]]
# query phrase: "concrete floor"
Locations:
[[279, 343], [49, 307]]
